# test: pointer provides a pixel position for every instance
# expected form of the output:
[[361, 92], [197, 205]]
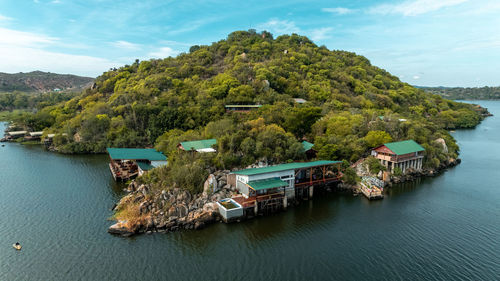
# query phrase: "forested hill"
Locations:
[[457, 93], [38, 81], [351, 105]]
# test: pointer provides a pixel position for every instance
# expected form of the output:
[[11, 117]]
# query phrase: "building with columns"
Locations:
[[402, 154]]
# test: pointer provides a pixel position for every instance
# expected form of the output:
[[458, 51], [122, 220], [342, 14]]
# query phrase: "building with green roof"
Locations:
[[128, 163], [286, 178], [309, 150], [198, 145], [403, 155], [149, 154]]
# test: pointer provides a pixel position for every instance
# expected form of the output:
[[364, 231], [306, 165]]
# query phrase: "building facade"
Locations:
[[403, 155]]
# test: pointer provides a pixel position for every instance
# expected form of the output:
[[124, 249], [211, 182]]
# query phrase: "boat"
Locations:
[[17, 246]]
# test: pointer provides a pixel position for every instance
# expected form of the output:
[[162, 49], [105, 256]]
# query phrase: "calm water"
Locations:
[[445, 228]]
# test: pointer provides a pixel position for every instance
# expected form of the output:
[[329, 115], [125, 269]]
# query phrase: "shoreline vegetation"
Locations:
[[459, 93], [292, 90]]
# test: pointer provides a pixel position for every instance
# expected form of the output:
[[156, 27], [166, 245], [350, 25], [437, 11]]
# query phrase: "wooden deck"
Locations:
[[313, 182], [251, 201], [123, 171], [371, 192]]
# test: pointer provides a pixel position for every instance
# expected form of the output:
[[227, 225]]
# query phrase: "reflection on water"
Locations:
[[442, 228]]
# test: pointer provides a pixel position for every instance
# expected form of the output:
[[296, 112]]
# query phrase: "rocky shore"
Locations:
[[170, 209], [412, 175]]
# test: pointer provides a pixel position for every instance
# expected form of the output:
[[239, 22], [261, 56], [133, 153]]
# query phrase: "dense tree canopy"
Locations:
[[351, 105]]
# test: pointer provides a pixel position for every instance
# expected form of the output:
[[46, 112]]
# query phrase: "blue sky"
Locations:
[[424, 42]]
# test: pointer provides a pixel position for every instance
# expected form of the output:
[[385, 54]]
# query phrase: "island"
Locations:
[[251, 125]]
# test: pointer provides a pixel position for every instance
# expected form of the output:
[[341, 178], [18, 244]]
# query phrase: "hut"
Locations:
[[128, 163], [15, 135], [31, 136], [198, 145], [309, 150], [241, 107]]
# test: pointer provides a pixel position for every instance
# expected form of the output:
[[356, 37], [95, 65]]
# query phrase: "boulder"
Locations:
[[122, 228], [182, 210], [210, 184], [442, 142]]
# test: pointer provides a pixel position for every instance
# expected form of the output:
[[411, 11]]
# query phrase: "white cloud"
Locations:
[[338, 10], [20, 38], [163, 52], [126, 45], [4, 18], [25, 51], [414, 7], [320, 33], [416, 77], [29, 59], [279, 26]]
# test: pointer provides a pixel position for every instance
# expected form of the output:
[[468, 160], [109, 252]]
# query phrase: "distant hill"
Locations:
[[38, 81], [458, 93]]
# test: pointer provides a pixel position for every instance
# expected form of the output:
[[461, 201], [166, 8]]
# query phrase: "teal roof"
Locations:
[[199, 144], [136, 154], [284, 167], [266, 184], [404, 147], [144, 166], [307, 145]]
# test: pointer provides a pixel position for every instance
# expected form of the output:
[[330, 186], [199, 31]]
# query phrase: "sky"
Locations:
[[423, 42]]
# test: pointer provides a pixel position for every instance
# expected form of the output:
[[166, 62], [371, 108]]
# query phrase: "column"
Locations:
[[311, 190]]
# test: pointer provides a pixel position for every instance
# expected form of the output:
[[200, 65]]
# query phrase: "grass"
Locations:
[[129, 211]]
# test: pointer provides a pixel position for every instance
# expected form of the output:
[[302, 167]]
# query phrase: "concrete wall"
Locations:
[[158, 163], [288, 176], [231, 179], [230, 214]]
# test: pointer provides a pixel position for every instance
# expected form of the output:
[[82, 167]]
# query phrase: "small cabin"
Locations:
[[299, 100], [15, 135], [128, 163], [309, 150], [402, 154], [241, 107], [198, 145], [31, 136]]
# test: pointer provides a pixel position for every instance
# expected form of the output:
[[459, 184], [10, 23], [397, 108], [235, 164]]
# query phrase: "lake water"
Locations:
[[443, 228]]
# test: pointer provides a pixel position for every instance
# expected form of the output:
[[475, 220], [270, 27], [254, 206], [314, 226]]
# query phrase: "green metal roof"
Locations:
[[284, 167], [199, 144], [136, 154], [307, 145], [144, 166], [404, 147], [267, 183]]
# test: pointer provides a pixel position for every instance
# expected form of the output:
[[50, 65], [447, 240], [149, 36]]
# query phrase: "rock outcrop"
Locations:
[[411, 174], [172, 209]]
